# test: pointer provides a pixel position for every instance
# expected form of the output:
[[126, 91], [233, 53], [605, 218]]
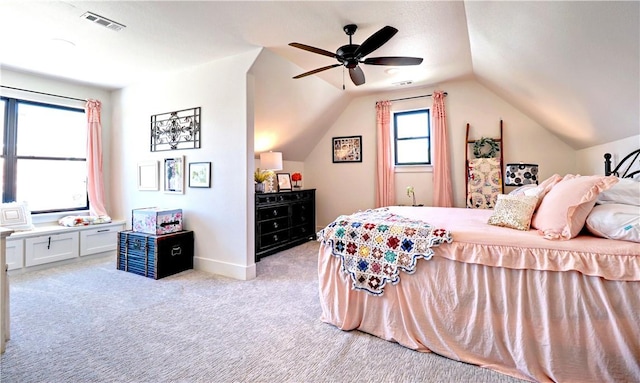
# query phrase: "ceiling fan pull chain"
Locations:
[[343, 88]]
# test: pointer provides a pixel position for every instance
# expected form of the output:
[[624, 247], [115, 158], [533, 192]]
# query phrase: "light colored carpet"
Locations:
[[88, 322]]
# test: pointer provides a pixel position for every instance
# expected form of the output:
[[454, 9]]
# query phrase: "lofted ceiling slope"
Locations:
[[574, 67]]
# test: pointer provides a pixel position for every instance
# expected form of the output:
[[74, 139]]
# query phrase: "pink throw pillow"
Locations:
[[538, 191], [565, 208]]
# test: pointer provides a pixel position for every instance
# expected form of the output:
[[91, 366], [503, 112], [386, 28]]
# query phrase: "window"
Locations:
[[411, 137], [44, 158]]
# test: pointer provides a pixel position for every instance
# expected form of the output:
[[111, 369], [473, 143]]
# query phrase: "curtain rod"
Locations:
[[46, 94], [409, 98]]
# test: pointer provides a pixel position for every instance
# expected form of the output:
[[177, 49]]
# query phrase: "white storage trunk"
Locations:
[[156, 221]]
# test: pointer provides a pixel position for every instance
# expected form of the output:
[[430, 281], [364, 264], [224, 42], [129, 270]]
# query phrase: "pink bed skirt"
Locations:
[[538, 325]]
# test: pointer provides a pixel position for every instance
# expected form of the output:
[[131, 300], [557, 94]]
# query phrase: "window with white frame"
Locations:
[[412, 137], [44, 161]]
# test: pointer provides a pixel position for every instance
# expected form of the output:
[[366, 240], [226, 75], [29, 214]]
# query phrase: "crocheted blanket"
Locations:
[[374, 245]]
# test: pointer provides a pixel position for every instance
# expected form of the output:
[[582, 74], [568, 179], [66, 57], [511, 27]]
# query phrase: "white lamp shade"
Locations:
[[271, 160], [521, 174]]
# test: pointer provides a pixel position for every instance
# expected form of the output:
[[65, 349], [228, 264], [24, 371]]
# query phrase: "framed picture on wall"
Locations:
[[174, 175], [148, 175], [347, 149], [200, 174]]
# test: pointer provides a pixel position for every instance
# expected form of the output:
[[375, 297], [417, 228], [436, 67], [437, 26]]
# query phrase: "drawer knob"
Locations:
[[275, 238], [275, 225], [275, 212]]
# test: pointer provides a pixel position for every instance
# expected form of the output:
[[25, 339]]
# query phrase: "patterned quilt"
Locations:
[[375, 245], [485, 183]]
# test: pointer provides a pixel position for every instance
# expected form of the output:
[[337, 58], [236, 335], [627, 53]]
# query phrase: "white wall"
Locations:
[[64, 88], [591, 160], [347, 187], [291, 115], [221, 216]]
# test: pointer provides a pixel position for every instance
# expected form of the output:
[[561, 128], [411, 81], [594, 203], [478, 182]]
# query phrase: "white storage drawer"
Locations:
[[51, 248], [15, 254], [99, 240]]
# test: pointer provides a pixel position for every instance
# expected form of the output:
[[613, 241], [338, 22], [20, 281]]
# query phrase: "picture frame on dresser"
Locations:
[[174, 175], [284, 181]]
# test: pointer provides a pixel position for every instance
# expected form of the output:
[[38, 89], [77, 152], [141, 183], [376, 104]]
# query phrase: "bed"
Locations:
[[531, 304]]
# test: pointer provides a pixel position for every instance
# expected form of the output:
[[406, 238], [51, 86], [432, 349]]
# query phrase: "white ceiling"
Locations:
[[574, 67]]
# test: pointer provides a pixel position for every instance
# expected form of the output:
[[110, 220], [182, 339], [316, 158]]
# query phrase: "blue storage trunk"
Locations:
[[155, 256]]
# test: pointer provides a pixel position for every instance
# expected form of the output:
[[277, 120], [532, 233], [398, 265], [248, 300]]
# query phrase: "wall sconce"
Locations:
[[521, 174], [271, 161]]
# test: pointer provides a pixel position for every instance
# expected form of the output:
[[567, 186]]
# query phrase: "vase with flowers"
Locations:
[[411, 193], [296, 177], [260, 176]]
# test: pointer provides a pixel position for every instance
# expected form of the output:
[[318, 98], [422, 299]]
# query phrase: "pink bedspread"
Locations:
[[475, 241], [502, 302]]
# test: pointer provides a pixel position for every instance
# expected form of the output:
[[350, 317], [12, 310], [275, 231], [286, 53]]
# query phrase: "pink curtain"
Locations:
[[385, 186], [442, 190], [95, 185]]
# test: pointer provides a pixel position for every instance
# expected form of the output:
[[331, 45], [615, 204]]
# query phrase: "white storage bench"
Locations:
[[50, 243]]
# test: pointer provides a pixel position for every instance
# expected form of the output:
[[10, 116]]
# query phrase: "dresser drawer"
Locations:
[[303, 231], [272, 225], [270, 198], [302, 212], [273, 212], [274, 238]]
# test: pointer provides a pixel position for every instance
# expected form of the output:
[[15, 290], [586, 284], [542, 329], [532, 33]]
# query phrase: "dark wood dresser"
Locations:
[[284, 220]]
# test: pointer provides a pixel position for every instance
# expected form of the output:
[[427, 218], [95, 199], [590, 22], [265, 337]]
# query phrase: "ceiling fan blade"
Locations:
[[394, 61], [313, 49], [375, 41], [317, 70], [357, 75]]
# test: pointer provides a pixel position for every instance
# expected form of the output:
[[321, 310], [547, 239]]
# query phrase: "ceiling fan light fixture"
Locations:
[[352, 55], [392, 71]]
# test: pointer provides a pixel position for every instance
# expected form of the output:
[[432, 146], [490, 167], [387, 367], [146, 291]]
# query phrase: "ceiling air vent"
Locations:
[[402, 83], [103, 21]]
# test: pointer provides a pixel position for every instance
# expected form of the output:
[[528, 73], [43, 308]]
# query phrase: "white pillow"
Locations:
[[626, 191], [15, 216], [615, 221]]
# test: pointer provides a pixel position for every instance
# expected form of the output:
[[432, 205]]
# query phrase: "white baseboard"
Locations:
[[231, 270]]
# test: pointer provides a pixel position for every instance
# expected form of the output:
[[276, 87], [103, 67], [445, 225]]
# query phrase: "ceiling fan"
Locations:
[[351, 55]]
